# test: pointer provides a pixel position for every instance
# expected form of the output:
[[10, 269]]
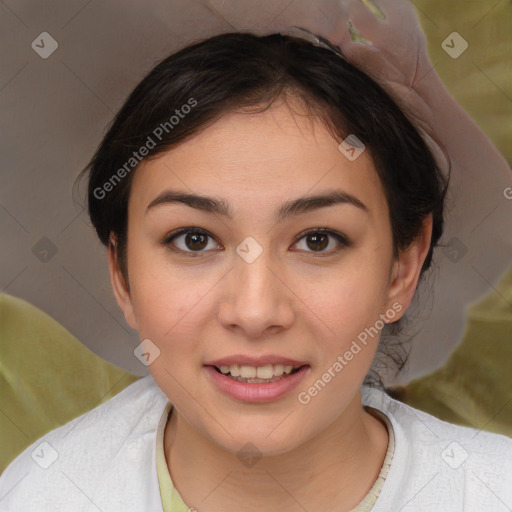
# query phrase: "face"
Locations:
[[259, 287]]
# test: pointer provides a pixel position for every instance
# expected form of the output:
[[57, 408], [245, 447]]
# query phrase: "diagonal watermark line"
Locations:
[[494, 416], [76, 14], [414, 411], [492, 211], [88, 88], [419, 491], [491, 285], [218, 14], [199, 403], [426, 74], [14, 279], [492, 81], [417, 7], [497, 497], [95, 299], [81, 491], [280, 423], [15, 424], [286, 491], [322, 12], [13, 13], [486, 14], [281, 11], [72, 220], [86, 222], [5, 495], [14, 219], [15, 75], [216, 487]]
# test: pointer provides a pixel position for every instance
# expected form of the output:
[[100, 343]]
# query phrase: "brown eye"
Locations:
[[189, 241], [317, 240], [196, 241]]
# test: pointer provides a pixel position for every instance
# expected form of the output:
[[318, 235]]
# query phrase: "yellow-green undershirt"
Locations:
[[172, 501]]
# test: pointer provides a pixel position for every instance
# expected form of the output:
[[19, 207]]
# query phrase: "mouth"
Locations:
[[256, 384], [258, 375]]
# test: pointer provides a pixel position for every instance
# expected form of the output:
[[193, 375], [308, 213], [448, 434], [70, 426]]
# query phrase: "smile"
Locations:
[[249, 386]]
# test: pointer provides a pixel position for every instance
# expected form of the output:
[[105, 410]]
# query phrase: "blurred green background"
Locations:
[[481, 78]]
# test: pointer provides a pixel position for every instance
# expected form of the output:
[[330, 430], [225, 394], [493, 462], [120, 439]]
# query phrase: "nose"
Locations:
[[256, 299]]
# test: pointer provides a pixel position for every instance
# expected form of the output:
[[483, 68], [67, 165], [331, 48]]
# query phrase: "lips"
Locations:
[[253, 391]]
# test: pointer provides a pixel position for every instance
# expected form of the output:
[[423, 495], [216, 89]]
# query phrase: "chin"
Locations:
[[256, 443]]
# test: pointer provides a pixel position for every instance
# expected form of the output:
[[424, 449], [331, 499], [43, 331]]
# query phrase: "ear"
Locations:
[[118, 283], [406, 270]]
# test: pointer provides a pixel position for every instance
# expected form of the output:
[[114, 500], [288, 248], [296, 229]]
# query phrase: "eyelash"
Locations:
[[341, 239]]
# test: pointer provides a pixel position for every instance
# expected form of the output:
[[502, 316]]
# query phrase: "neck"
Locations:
[[338, 466]]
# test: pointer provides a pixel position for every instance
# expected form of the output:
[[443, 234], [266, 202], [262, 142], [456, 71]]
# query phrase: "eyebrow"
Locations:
[[288, 209]]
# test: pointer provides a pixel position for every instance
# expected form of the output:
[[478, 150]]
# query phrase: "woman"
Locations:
[[268, 211]]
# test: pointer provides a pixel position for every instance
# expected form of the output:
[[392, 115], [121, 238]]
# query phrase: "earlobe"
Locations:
[[407, 269], [119, 287]]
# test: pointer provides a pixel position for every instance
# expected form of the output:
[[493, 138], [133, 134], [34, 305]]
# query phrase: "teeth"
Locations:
[[267, 371], [264, 372], [278, 370], [248, 372]]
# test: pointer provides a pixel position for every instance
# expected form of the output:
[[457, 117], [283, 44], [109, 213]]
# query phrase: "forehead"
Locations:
[[261, 157]]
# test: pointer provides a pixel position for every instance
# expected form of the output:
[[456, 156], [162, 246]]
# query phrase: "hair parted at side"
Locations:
[[242, 72]]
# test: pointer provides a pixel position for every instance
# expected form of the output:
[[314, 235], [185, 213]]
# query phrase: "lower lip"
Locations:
[[256, 392]]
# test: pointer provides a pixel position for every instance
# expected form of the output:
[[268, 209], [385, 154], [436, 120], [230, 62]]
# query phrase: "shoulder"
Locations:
[[460, 467], [84, 462]]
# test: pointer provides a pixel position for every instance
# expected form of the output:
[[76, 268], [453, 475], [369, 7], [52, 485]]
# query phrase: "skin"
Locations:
[[325, 455]]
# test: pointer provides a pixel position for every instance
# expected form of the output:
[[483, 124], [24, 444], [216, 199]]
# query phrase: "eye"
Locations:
[[192, 240], [319, 239]]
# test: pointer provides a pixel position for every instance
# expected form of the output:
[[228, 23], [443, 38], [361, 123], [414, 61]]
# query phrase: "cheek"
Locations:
[[347, 317], [165, 308], [350, 300], [170, 314], [165, 301]]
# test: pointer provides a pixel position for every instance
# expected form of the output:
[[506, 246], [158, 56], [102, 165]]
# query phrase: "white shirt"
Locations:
[[105, 460]]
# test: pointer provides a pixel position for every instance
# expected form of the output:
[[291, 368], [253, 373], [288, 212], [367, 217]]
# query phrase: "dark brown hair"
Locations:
[[192, 88]]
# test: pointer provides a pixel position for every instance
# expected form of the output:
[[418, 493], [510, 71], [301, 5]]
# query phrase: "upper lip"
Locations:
[[255, 361]]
